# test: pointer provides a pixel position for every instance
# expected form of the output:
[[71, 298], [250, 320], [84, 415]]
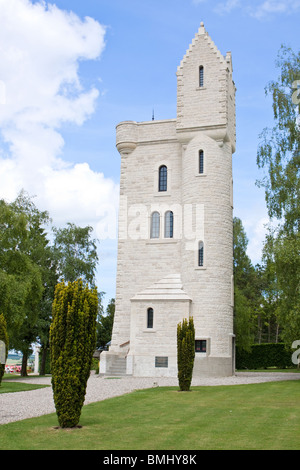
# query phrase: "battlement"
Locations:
[[129, 134]]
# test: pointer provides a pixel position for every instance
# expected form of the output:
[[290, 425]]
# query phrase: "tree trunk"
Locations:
[[277, 333], [258, 330], [43, 360], [24, 365]]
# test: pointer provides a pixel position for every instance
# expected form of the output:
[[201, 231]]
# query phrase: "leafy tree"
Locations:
[[105, 325], [279, 148], [38, 249], [279, 155], [75, 253], [185, 353], [30, 268], [285, 252], [269, 330], [20, 278], [12, 264], [72, 343], [246, 289], [243, 321], [4, 340], [73, 256]]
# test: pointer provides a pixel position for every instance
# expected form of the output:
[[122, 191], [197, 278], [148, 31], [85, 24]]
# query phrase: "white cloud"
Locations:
[[41, 48], [227, 7], [259, 9], [268, 7], [83, 194]]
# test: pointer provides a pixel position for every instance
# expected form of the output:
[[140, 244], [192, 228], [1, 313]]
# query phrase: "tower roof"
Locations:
[[202, 34], [168, 288]]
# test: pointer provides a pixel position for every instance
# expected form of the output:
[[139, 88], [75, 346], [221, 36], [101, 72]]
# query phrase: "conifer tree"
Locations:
[[72, 343], [185, 353]]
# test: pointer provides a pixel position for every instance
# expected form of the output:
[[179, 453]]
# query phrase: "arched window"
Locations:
[[163, 178], [201, 162], [201, 254], [169, 224], [150, 317], [201, 76], [155, 225]]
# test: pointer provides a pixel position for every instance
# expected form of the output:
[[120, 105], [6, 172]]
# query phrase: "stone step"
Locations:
[[118, 367]]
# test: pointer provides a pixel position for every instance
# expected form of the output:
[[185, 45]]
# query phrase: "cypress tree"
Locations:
[[72, 343], [3, 344], [185, 353]]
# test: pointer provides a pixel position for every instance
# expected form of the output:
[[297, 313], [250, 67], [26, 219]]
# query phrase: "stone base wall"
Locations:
[[145, 366]]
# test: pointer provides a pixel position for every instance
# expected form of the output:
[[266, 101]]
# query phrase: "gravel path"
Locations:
[[21, 405]]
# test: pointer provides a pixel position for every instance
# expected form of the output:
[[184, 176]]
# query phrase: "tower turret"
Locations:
[[206, 91]]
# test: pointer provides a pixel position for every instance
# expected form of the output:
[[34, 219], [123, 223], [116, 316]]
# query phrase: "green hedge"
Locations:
[[264, 355]]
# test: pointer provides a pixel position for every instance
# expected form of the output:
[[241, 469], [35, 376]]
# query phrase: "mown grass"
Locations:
[[10, 387], [262, 416]]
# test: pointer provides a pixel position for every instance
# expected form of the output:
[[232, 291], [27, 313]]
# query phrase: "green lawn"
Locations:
[[10, 387], [258, 416]]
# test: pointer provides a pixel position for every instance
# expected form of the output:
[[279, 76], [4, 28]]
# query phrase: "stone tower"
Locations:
[[175, 247]]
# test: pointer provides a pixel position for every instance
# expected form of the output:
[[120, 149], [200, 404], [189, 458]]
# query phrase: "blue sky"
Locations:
[[70, 73]]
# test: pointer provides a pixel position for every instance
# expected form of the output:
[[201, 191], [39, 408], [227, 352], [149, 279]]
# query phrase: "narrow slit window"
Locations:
[[169, 224], [201, 76], [155, 225], [150, 317], [163, 178], [201, 162], [201, 254]]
